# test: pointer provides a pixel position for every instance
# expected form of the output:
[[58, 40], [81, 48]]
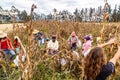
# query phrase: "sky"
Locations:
[[47, 6]]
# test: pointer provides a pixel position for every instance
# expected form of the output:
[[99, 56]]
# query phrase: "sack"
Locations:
[[63, 62], [76, 55], [79, 44]]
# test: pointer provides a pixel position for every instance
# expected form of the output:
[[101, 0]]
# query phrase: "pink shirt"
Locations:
[[87, 45]]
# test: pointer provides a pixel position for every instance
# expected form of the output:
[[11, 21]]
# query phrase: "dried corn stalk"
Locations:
[[117, 41], [105, 16]]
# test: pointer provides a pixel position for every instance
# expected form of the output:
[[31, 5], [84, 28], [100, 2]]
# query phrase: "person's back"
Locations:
[[95, 67], [105, 71]]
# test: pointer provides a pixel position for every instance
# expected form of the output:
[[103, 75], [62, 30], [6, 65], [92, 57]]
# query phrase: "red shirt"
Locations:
[[16, 44], [6, 44]]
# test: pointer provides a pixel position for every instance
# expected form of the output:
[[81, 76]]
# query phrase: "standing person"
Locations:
[[73, 41], [6, 45], [35, 34], [95, 67], [53, 45], [40, 38], [16, 44], [87, 45]]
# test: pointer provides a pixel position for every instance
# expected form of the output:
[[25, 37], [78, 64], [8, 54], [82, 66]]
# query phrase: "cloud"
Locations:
[[47, 6]]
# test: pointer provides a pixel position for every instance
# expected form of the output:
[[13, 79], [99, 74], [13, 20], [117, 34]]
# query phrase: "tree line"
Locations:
[[82, 15], [88, 14], [20, 16]]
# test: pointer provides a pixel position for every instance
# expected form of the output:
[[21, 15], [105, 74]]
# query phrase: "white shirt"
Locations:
[[17, 60], [53, 45]]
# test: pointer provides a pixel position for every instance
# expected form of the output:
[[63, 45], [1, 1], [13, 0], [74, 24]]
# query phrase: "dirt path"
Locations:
[[8, 27]]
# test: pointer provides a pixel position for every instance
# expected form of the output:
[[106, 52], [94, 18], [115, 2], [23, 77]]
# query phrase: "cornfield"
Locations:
[[41, 66]]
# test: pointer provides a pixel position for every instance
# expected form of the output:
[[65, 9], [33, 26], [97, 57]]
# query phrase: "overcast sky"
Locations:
[[47, 6]]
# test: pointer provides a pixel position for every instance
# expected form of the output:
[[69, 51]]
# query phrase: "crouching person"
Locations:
[[21, 55], [6, 45], [87, 45], [16, 44], [19, 59], [53, 45], [73, 41]]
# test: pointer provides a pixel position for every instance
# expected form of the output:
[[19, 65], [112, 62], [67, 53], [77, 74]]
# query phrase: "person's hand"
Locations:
[[118, 48], [13, 48], [68, 43], [49, 48], [111, 41]]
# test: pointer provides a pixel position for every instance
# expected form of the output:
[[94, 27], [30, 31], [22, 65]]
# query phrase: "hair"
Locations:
[[3, 38], [93, 63], [16, 40], [87, 38]]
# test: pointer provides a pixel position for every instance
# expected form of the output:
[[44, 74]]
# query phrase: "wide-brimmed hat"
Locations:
[[2, 34], [87, 37], [16, 37], [35, 31]]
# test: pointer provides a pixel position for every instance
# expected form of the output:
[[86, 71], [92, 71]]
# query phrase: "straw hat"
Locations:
[[35, 31], [16, 37], [2, 34]]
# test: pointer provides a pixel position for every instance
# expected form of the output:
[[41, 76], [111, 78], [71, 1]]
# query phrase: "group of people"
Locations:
[[52, 45], [73, 42], [95, 67], [16, 51]]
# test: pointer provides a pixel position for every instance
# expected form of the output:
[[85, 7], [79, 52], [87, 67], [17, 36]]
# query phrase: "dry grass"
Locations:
[[41, 66]]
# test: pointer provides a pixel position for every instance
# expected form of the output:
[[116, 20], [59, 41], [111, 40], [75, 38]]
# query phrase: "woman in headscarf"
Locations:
[[86, 45], [73, 41]]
